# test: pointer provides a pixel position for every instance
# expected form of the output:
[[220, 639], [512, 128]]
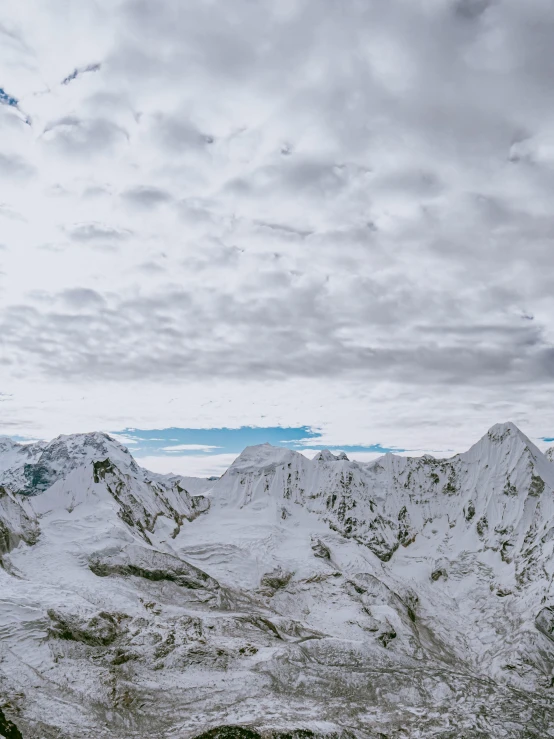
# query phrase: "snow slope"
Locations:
[[408, 597]]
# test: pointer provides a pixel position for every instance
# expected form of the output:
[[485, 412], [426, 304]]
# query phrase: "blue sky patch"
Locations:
[[181, 441], [7, 99]]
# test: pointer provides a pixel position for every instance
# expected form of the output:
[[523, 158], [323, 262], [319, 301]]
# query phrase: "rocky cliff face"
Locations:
[[406, 597], [16, 524]]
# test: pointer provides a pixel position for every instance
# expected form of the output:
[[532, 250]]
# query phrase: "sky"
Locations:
[[331, 218]]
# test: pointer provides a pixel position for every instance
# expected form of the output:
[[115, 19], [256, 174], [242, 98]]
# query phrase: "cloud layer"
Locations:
[[294, 202]]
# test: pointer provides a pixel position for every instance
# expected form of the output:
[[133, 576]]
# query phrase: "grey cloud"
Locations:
[[151, 267], [79, 71], [95, 191], [12, 165], [250, 45], [310, 175], [313, 180], [288, 325], [471, 9], [96, 232], [288, 231], [195, 211], [72, 135], [177, 133], [11, 34], [146, 197], [419, 183], [215, 256], [81, 297]]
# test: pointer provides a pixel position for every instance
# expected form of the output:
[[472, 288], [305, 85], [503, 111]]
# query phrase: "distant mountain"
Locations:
[[407, 597]]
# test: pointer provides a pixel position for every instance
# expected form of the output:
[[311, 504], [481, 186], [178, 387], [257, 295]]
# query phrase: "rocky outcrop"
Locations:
[[102, 629], [16, 524], [246, 732], [276, 579], [320, 549], [545, 622], [8, 729], [152, 565]]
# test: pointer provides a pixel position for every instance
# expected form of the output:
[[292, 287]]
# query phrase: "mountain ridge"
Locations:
[[330, 596]]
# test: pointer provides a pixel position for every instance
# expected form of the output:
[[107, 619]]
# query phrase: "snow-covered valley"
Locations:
[[407, 597]]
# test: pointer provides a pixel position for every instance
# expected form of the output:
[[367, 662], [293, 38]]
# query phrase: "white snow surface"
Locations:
[[407, 597]]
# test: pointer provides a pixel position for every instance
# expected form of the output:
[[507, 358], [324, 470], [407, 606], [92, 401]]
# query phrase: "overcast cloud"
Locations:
[[331, 214]]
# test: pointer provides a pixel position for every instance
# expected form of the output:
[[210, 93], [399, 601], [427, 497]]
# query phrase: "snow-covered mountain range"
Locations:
[[407, 597]]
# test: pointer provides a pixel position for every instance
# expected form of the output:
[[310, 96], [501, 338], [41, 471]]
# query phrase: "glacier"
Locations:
[[290, 598]]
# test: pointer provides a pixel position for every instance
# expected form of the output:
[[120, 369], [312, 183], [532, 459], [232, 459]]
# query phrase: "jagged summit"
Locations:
[[504, 426], [501, 431], [327, 456], [14, 455], [262, 456], [501, 436], [7, 443], [34, 468], [95, 442]]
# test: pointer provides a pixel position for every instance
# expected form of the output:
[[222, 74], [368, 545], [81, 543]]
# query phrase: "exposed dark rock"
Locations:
[[101, 468], [39, 477], [320, 550], [411, 601], [306, 734], [6, 538], [503, 592], [405, 534], [15, 524], [482, 525], [470, 511], [229, 732], [8, 729], [200, 504], [509, 488], [264, 624], [121, 657], [276, 579], [537, 486], [100, 630], [545, 622], [387, 636], [245, 732], [151, 565]]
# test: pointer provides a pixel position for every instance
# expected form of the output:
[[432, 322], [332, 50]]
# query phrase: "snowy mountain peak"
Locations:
[[92, 444], [9, 445], [501, 431], [262, 456], [502, 439], [327, 456], [56, 459], [14, 456]]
